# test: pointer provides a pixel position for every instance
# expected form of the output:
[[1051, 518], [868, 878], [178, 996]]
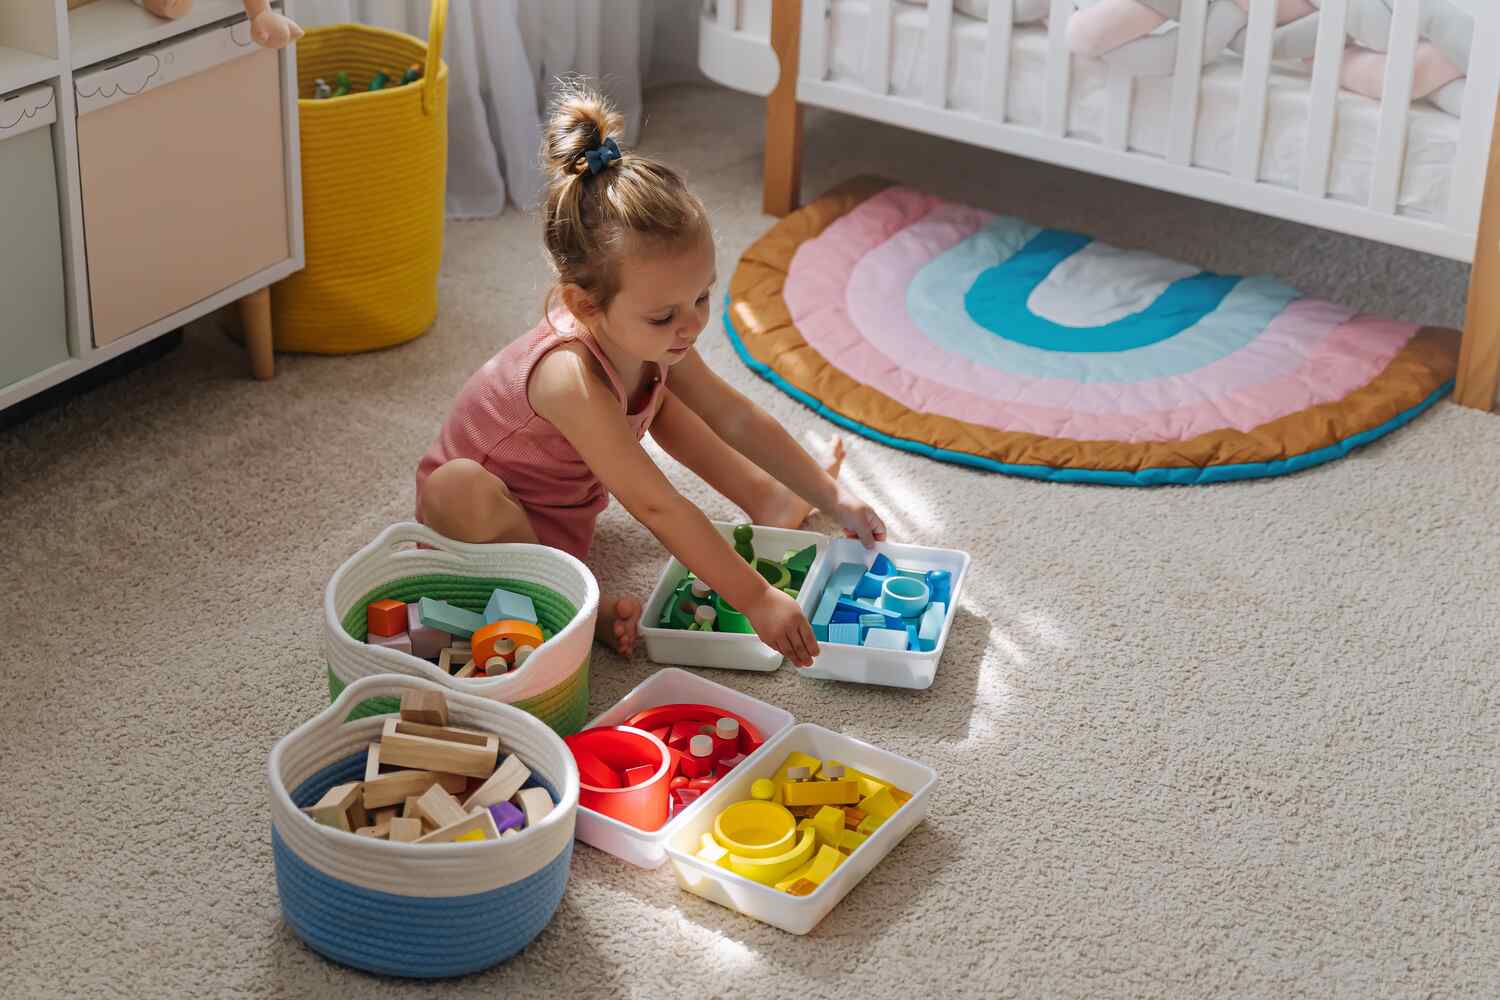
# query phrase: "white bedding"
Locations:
[[1432, 140]]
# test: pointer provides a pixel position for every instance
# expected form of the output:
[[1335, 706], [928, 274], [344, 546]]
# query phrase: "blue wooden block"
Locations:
[[507, 606], [886, 638], [846, 633], [451, 619], [882, 566], [872, 621], [823, 617], [931, 627], [845, 615], [845, 578], [939, 582], [869, 586], [912, 639]]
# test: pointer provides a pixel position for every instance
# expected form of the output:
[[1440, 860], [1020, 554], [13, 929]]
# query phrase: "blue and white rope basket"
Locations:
[[402, 909]]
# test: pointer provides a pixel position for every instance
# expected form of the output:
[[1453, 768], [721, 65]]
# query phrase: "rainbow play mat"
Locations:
[[984, 340]]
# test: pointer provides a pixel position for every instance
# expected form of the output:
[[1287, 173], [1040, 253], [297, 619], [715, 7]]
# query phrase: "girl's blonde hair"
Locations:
[[592, 217]]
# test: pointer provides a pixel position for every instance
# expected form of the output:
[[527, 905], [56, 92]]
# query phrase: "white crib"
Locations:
[[1249, 132]]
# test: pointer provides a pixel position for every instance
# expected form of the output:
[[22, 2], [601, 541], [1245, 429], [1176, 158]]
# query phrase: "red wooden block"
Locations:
[[639, 773], [593, 771], [674, 765], [702, 784], [386, 618], [663, 734], [681, 733]]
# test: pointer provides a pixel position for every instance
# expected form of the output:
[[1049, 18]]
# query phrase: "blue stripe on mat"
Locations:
[[1195, 475]]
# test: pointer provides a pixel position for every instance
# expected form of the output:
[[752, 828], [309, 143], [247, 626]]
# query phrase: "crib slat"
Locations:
[[813, 49], [1250, 133], [1476, 130], [935, 51], [997, 59], [878, 48], [729, 14], [1059, 69], [1323, 101], [1187, 82], [1121, 90], [1390, 148]]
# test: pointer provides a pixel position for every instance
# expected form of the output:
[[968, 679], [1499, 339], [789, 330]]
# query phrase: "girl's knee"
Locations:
[[466, 502]]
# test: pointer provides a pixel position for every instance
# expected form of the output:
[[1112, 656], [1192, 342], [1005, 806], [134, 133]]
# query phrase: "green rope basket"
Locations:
[[564, 707]]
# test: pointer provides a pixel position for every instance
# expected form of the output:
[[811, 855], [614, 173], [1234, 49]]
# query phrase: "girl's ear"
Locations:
[[579, 302]]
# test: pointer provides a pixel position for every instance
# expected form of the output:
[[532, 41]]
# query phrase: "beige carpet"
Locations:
[[1223, 741]]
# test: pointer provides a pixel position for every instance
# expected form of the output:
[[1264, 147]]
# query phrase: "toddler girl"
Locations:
[[541, 436]]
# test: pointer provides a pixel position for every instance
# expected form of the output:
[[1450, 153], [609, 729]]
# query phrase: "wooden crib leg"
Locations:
[[1479, 358], [783, 164], [255, 313]]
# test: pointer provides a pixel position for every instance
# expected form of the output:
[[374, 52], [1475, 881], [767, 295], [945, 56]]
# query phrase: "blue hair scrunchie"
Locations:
[[602, 155]]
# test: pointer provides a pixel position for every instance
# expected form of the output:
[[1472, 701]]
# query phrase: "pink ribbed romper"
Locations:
[[492, 422]]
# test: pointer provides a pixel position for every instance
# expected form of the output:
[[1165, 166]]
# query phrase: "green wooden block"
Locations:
[[451, 619], [801, 561]]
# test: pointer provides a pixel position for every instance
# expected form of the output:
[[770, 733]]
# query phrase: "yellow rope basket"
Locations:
[[374, 167]]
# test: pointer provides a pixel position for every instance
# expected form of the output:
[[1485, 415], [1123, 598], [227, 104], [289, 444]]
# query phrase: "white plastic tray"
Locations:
[[715, 649], [671, 687], [797, 914], [862, 664]]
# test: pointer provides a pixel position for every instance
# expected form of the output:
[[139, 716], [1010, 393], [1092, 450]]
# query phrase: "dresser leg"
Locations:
[[255, 314]]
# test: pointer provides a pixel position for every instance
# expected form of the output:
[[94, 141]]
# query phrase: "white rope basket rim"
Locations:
[[426, 870]]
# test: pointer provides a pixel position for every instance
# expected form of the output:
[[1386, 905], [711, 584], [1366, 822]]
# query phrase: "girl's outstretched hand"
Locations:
[[858, 518], [780, 624]]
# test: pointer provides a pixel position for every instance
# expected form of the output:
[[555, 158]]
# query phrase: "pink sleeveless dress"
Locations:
[[492, 423]]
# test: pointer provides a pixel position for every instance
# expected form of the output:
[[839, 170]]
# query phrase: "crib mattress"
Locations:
[[1432, 140]]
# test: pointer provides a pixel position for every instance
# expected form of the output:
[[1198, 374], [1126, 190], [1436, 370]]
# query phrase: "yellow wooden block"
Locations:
[[794, 759], [870, 824], [868, 783], [829, 824], [815, 871], [850, 840], [821, 793], [471, 835], [823, 864], [881, 804]]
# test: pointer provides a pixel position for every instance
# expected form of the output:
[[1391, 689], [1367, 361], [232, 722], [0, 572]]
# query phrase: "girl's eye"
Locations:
[[703, 298], [662, 321]]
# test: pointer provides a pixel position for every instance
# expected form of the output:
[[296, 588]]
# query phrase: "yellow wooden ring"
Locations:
[[755, 829], [773, 869]]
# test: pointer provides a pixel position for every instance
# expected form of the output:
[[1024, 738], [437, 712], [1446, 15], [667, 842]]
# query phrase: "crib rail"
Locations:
[[887, 88]]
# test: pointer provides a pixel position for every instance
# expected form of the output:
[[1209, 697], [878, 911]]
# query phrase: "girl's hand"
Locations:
[[858, 518], [780, 624]]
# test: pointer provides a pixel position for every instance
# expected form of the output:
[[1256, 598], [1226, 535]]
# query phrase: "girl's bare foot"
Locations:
[[784, 509], [619, 622]]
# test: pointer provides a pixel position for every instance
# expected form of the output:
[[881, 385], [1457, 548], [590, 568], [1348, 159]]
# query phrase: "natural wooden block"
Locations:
[[480, 822], [340, 807], [535, 803], [370, 831], [439, 748], [428, 707], [397, 786], [439, 808], [468, 669], [450, 658], [405, 830], [504, 783]]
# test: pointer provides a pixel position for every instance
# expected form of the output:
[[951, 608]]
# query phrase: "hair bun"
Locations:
[[580, 120]]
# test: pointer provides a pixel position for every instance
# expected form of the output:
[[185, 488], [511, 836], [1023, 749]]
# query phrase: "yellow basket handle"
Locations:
[[435, 28]]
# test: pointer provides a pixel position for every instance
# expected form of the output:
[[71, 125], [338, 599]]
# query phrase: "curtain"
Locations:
[[504, 57]]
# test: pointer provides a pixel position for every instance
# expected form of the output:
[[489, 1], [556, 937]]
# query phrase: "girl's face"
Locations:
[[664, 300]]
